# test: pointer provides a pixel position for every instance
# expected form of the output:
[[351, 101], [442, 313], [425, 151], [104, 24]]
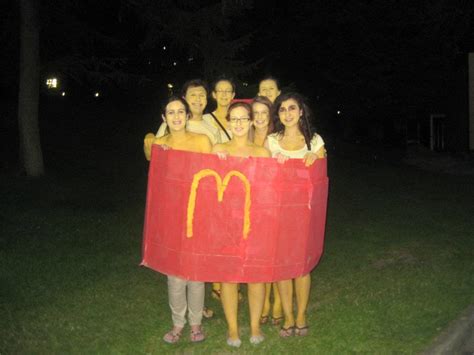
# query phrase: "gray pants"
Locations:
[[184, 295]]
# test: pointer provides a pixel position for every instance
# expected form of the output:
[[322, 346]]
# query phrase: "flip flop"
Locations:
[[234, 342], [256, 339], [207, 313], [172, 337], [301, 331], [197, 336], [264, 319], [277, 320], [287, 332], [216, 294]]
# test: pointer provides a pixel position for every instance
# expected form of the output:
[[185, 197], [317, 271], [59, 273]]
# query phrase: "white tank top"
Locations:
[[275, 148]]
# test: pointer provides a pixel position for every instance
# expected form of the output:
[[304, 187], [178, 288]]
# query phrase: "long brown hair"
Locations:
[[264, 101], [304, 123]]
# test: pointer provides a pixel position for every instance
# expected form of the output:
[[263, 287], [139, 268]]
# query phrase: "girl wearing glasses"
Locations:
[[294, 139], [223, 92], [240, 118]]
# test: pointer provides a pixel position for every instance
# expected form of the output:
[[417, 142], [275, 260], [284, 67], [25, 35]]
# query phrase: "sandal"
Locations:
[[264, 319], [173, 336], [286, 332], [277, 320], [256, 339], [234, 342], [197, 336], [216, 294], [301, 332], [207, 313]]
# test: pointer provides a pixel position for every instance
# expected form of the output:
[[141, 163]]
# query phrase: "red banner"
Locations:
[[235, 220]]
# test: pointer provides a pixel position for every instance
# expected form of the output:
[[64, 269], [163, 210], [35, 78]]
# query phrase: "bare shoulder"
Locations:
[[160, 140], [198, 137], [219, 147], [262, 152], [203, 142]]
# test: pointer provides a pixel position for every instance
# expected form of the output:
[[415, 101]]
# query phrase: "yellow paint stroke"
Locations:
[[221, 186]]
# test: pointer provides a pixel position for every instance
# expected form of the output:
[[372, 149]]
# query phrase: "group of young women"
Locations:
[[273, 125]]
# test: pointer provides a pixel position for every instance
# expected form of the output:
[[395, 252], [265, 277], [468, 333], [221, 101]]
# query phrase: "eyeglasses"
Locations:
[[234, 120], [224, 92]]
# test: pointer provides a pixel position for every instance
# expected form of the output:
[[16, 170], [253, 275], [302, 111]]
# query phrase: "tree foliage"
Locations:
[[200, 31]]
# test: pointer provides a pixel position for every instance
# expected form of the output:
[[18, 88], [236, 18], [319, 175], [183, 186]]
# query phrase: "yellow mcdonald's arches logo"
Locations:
[[221, 186]]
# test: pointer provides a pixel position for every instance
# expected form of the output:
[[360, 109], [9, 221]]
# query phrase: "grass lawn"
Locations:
[[398, 262]]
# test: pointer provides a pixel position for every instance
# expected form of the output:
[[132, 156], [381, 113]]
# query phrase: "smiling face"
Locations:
[[196, 97], [261, 114], [223, 93], [175, 116], [240, 120], [269, 89], [289, 113]]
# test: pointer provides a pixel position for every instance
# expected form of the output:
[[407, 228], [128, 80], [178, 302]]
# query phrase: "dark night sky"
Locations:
[[370, 58]]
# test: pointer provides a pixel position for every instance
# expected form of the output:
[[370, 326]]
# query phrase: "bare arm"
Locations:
[[147, 142]]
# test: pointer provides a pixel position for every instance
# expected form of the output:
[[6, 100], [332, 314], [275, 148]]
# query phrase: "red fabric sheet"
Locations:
[[287, 218]]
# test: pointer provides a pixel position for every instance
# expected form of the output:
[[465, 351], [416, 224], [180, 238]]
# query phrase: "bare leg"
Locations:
[[266, 304], [286, 294], [230, 305], [302, 288], [256, 295], [277, 311]]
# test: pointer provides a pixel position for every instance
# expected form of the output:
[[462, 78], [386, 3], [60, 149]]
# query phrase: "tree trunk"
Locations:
[[28, 97]]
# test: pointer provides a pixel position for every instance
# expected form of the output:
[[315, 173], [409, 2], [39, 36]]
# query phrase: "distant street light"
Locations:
[[63, 93], [52, 83], [97, 94]]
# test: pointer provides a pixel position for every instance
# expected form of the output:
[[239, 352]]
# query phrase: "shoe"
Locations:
[[197, 336], [286, 332], [301, 332], [257, 339], [277, 320], [216, 294], [173, 336], [207, 313], [264, 319], [234, 342]]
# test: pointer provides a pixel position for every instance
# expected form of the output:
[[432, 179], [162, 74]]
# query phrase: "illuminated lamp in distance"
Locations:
[[52, 83]]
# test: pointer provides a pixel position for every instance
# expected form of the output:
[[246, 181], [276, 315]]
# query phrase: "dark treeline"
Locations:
[[381, 64]]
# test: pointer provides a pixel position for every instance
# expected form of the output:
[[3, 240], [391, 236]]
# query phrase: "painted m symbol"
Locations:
[[221, 186]]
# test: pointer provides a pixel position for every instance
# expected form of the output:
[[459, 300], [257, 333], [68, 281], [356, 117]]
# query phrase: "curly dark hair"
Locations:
[[304, 123]]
